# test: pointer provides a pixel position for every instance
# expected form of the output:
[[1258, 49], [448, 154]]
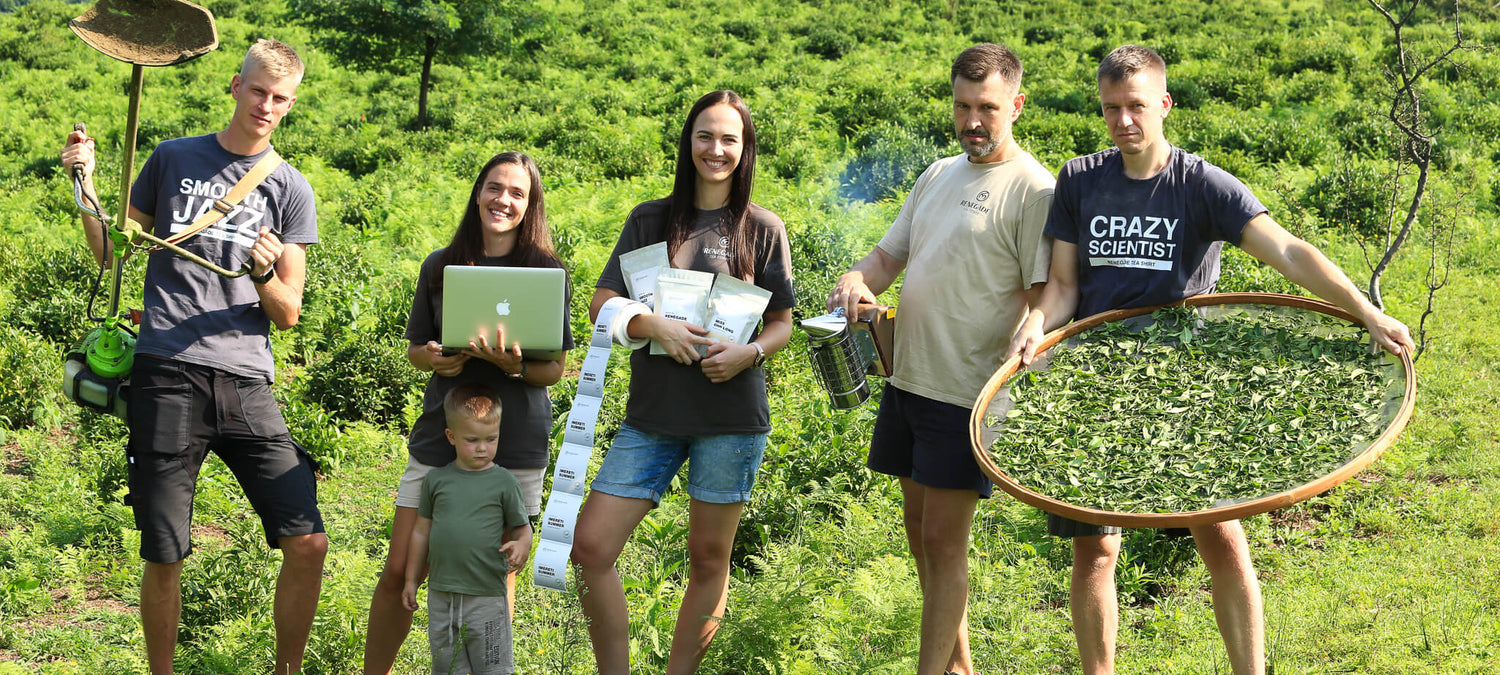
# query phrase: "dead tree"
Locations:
[[1414, 154]]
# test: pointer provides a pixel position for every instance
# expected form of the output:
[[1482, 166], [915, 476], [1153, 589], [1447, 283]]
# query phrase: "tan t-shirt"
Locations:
[[971, 236]]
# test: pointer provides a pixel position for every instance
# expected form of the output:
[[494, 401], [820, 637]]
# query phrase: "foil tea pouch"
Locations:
[[682, 295], [640, 267], [734, 310]]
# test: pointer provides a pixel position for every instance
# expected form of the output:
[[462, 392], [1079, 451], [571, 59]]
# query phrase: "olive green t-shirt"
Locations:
[[470, 512]]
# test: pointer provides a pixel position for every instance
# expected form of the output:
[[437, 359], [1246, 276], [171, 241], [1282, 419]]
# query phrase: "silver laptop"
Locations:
[[528, 302]]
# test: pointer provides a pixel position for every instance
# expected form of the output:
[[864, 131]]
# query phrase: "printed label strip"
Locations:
[[570, 474]]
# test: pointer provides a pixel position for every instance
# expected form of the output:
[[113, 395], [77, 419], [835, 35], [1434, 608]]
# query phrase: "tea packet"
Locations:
[[640, 267], [682, 295], [734, 310]]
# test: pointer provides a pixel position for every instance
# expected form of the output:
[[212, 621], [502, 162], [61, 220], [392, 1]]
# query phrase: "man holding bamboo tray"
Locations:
[[969, 236], [1142, 224]]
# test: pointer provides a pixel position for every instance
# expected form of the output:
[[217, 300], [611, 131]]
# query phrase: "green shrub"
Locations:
[[49, 290], [364, 380], [1354, 195], [33, 373], [829, 43]]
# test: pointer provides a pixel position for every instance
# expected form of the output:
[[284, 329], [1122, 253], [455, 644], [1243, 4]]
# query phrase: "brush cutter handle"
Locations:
[[86, 202], [78, 166]]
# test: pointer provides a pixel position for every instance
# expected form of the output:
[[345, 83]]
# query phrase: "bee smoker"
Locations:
[[843, 354]]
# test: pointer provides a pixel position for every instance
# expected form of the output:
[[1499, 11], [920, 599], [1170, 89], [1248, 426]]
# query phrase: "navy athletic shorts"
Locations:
[[927, 441]]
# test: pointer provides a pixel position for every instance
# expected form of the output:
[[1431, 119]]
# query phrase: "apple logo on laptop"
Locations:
[[503, 307]]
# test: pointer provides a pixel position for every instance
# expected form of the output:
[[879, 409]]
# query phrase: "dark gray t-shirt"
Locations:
[[192, 314], [525, 410], [1147, 242], [667, 397]]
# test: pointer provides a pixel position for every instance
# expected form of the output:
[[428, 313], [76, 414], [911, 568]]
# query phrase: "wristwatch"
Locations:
[[518, 375], [265, 278], [760, 354]]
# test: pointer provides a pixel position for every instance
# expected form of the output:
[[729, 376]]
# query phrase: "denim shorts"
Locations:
[[641, 465]]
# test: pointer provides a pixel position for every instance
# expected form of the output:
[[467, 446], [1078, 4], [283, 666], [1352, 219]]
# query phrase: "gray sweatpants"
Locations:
[[468, 634]]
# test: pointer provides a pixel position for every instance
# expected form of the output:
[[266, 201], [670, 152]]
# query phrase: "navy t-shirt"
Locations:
[[1147, 242]]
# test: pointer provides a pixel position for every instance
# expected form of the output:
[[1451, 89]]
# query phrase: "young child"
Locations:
[[472, 527]]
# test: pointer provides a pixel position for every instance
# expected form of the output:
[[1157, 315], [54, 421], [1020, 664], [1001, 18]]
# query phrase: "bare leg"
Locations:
[[510, 593], [912, 498], [710, 539], [161, 608], [1095, 609], [1236, 591], [946, 518], [297, 588], [390, 623], [604, 525]]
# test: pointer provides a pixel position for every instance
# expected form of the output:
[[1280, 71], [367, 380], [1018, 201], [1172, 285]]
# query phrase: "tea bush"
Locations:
[[48, 291], [29, 391], [1354, 195], [365, 380]]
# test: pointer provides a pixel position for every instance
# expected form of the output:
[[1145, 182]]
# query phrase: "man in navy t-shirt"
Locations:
[[203, 368], [1141, 224]]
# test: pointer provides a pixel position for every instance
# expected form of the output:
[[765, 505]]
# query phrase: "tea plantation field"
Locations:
[[1394, 572]]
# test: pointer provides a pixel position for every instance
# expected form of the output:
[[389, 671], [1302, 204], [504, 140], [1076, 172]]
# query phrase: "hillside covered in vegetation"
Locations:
[[1394, 572]]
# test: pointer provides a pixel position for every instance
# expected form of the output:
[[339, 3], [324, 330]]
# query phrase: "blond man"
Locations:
[[203, 367]]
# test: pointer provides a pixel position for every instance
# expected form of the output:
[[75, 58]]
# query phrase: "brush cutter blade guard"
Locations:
[[148, 32]]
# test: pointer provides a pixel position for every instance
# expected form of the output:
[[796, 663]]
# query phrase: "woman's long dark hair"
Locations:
[[683, 212], [533, 239]]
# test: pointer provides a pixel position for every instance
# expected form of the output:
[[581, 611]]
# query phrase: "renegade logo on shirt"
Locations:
[[720, 253], [1135, 241], [241, 226], [974, 205]]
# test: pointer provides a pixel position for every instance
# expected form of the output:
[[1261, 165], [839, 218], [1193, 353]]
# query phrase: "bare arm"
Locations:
[[725, 360], [1303, 264], [517, 546], [79, 151], [281, 297], [680, 338], [416, 561], [1055, 307], [869, 277]]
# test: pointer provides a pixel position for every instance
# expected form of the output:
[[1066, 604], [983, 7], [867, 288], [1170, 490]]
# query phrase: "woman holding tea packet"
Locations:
[[706, 408]]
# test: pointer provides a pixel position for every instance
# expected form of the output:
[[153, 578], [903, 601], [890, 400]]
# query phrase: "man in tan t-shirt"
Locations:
[[970, 239]]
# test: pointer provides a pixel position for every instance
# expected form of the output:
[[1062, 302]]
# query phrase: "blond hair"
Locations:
[[276, 58], [474, 401]]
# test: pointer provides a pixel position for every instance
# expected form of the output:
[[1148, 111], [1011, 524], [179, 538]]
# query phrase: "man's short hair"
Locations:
[[982, 60], [1127, 60], [473, 401], [276, 58]]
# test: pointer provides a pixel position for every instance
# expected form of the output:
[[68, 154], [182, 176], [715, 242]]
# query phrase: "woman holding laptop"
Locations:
[[504, 225], [708, 411]]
